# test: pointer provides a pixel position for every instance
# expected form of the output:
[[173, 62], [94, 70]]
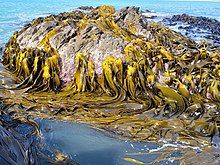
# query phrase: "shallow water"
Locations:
[[87, 145], [90, 146]]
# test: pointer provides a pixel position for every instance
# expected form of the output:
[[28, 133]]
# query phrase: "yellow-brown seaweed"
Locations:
[[159, 89]]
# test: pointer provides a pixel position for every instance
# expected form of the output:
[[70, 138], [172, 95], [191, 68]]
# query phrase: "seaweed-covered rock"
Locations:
[[115, 69], [97, 34]]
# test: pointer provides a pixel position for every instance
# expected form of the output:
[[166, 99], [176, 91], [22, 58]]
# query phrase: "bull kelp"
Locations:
[[118, 72]]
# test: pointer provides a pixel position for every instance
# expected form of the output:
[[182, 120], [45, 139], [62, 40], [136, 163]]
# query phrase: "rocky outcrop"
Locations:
[[115, 69], [96, 33], [201, 22], [197, 25]]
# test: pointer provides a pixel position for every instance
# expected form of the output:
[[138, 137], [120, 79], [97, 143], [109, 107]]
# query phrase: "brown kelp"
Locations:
[[20, 140], [119, 72]]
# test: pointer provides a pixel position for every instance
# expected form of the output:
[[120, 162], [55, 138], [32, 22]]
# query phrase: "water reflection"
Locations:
[[90, 146]]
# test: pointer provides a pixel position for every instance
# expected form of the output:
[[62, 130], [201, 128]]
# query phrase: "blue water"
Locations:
[[88, 146], [15, 13]]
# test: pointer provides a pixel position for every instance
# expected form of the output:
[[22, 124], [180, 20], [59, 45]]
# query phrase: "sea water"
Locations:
[[88, 146], [14, 14]]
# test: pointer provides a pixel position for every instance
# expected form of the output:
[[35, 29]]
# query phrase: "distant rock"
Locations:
[[85, 8], [212, 25], [201, 26]]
